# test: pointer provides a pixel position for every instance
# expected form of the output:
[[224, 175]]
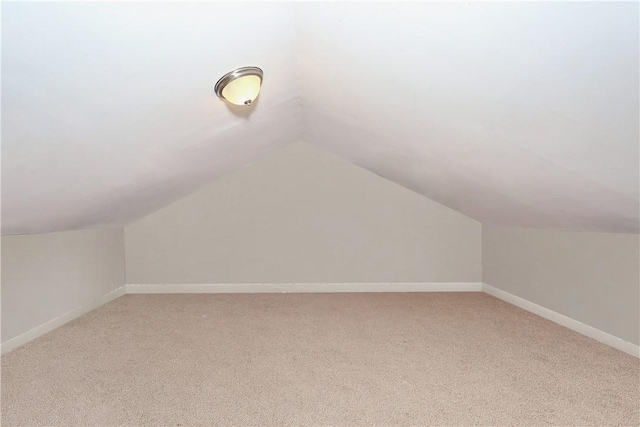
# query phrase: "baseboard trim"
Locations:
[[238, 288], [546, 313], [563, 320], [46, 327], [49, 326]]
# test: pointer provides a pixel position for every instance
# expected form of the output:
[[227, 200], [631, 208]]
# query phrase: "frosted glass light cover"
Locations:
[[243, 90]]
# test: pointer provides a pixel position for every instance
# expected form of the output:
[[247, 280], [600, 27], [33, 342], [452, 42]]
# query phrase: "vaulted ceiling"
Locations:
[[512, 113]]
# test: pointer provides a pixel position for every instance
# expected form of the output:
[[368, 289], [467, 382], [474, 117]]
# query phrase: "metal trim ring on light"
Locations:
[[235, 74]]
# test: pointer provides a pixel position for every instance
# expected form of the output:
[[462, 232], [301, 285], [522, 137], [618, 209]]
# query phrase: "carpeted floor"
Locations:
[[317, 359]]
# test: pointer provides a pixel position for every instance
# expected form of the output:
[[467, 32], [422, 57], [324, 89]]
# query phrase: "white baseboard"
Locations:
[[40, 330], [563, 320], [240, 288]]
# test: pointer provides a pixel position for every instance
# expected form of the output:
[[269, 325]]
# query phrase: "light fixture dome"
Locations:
[[240, 86]]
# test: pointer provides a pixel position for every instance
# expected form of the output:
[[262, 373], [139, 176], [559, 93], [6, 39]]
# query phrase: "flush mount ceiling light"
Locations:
[[240, 86]]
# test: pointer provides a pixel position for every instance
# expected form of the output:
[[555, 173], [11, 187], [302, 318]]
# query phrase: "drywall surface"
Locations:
[[45, 276], [514, 113], [303, 215], [590, 277], [136, 80]]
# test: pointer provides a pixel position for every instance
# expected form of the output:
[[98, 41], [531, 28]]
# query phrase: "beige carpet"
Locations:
[[317, 359]]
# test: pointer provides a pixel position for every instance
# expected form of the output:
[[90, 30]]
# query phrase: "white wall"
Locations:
[[590, 277], [303, 215], [45, 276], [522, 113]]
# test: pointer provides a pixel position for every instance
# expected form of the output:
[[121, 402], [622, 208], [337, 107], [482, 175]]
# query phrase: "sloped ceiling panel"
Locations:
[[512, 113], [109, 111]]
